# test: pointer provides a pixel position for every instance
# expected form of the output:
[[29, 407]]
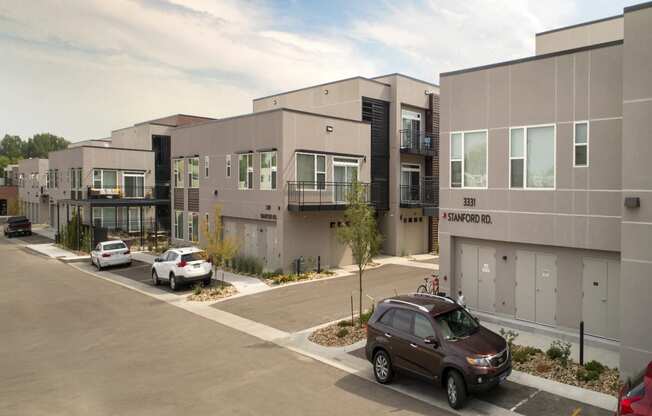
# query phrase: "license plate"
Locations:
[[196, 266]]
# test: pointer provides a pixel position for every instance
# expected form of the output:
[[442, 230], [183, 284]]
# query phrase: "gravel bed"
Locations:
[[338, 336], [213, 293], [540, 365]]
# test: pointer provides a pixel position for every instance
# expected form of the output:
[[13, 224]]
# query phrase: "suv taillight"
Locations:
[[182, 263], [626, 404]]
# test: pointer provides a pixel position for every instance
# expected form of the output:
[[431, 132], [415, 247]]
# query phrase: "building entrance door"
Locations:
[[469, 275], [487, 279], [600, 292], [536, 287]]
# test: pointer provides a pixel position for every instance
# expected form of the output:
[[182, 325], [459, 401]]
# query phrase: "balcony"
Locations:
[[128, 192], [423, 195], [418, 143], [321, 196]]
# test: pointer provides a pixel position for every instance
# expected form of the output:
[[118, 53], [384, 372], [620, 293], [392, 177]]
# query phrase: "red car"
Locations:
[[636, 395]]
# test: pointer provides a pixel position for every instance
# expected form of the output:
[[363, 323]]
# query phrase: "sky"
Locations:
[[81, 68]]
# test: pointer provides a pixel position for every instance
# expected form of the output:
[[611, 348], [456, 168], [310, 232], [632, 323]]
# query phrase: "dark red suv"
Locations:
[[435, 338]]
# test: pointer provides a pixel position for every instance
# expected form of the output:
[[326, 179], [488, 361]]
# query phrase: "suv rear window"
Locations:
[[114, 246], [197, 255]]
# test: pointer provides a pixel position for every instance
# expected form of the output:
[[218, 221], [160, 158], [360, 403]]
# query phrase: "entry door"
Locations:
[[486, 279], [469, 275], [344, 174], [594, 296], [134, 219], [546, 289], [524, 291]]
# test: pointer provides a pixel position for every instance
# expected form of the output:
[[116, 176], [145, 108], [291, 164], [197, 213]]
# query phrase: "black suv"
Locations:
[[435, 338]]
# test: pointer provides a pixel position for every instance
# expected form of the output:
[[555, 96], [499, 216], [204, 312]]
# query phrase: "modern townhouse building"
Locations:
[[280, 176], [546, 184], [33, 185], [404, 117], [282, 173], [120, 185], [9, 191]]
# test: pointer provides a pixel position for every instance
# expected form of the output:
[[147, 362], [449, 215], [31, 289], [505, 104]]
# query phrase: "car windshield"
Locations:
[[197, 255], [456, 324], [114, 246]]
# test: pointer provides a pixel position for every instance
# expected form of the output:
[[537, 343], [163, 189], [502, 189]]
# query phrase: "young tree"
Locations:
[[360, 232], [219, 248]]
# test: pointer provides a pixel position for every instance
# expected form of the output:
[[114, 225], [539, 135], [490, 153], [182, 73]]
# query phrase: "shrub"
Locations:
[[595, 366], [520, 356], [587, 375], [364, 318], [560, 351], [197, 290], [342, 333], [344, 323], [509, 336]]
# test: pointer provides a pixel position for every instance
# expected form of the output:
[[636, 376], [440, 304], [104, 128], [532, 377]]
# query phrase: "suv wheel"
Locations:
[[455, 390], [155, 278], [173, 282], [383, 367]]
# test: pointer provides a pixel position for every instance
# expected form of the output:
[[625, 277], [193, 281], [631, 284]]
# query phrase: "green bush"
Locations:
[[520, 356], [342, 333], [560, 351], [364, 318], [587, 375], [595, 366]]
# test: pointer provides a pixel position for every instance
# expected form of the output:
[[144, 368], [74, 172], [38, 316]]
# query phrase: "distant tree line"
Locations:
[[13, 148]]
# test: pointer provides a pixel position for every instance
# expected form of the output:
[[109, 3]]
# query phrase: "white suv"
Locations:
[[182, 265]]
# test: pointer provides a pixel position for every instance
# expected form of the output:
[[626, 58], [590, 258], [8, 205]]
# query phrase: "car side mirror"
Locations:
[[432, 341], [157, 260]]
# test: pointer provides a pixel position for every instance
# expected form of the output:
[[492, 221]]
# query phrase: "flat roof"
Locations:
[[398, 74], [321, 85], [289, 110], [533, 58], [590, 22]]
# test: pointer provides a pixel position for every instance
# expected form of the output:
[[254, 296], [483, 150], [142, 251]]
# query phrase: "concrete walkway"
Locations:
[[44, 230]]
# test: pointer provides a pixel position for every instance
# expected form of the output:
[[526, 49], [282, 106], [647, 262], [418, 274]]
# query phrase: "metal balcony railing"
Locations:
[[321, 196], [426, 193], [126, 192], [418, 142]]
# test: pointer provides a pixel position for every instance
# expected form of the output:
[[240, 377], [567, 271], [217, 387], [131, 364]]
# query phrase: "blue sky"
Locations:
[[82, 68]]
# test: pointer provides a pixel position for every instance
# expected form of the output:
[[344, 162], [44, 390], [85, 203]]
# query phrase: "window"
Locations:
[[410, 183], [102, 179], [178, 225], [97, 179], [207, 222], [468, 156], [345, 172], [532, 157], [134, 219], [387, 317], [246, 171], [193, 172], [581, 143], [178, 173], [134, 184], [79, 178], [48, 175], [403, 320], [56, 178], [422, 327], [193, 226], [228, 166], [311, 170], [456, 324], [206, 165], [268, 170], [411, 124]]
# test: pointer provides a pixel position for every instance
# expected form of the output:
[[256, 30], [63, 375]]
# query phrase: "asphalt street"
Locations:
[[73, 344]]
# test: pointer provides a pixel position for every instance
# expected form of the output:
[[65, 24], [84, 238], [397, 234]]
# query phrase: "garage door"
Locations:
[[536, 287], [600, 297], [478, 277]]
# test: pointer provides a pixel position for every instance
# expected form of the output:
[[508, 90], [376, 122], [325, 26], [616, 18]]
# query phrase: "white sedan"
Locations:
[[110, 253]]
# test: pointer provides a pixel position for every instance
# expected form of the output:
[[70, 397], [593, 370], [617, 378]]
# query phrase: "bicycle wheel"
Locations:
[[422, 289]]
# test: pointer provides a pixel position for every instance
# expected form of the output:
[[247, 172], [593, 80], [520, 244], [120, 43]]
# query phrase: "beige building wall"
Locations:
[[32, 191], [578, 36]]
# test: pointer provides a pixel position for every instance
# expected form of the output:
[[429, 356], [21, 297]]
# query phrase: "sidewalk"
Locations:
[[44, 230]]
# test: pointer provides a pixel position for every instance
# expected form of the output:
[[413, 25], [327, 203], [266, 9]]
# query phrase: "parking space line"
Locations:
[[522, 402], [577, 411]]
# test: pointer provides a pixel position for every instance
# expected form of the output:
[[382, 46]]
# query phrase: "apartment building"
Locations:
[[404, 117], [546, 184], [9, 191], [33, 185], [281, 177], [120, 185]]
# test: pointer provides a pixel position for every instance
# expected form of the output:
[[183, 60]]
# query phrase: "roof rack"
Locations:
[[423, 308], [444, 298]]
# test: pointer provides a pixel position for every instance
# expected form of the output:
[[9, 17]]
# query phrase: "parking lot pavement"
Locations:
[[297, 307]]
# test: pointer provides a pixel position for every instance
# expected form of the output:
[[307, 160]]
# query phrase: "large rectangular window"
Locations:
[[134, 184], [311, 170], [193, 226], [581, 144], [178, 173], [532, 157], [246, 171], [268, 170], [178, 225], [193, 172], [102, 179], [468, 157]]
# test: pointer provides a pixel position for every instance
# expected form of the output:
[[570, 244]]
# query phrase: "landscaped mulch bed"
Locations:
[[282, 279], [216, 291], [539, 364], [339, 334]]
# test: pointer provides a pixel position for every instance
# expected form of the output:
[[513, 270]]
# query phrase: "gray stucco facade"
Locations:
[[555, 246]]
